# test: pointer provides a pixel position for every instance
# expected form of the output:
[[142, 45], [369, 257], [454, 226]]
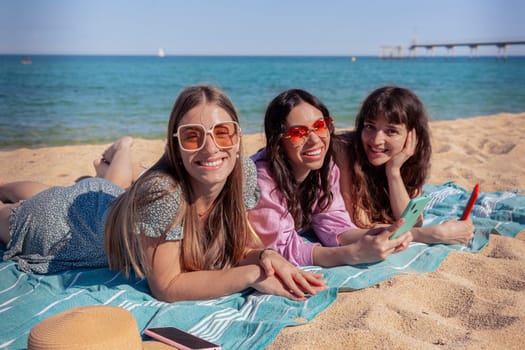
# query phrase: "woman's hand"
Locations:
[[295, 283], [377, 245], [397, 160], [449, 232], [274, 285]]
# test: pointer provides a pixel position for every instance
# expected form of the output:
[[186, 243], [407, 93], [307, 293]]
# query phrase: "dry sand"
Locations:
[[472, 301]]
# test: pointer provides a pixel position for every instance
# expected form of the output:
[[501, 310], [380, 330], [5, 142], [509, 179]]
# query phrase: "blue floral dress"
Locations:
[[62, 228]]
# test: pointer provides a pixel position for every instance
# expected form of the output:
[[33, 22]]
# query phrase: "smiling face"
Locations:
[[210, 166], [309, 155], [382, 140]]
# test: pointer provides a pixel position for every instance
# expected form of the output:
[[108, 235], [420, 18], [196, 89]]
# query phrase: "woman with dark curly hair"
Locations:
[[385, 161], [299, 185]]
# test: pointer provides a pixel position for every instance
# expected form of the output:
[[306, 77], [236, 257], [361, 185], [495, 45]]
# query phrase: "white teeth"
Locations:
[[215, 163], [377, 149], [314, 153]]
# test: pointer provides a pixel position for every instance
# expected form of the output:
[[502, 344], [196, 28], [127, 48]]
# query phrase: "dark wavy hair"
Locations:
[[368, 183], [299, 197], [226, 235]]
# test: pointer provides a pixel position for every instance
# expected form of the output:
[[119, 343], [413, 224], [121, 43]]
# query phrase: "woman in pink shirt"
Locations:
[[299, 184]]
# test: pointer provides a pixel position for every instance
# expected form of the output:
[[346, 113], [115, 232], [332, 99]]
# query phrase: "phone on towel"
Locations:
[[412, 212], [180, 339], [470, 203]]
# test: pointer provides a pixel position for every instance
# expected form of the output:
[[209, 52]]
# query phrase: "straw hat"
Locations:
[[90, 327]]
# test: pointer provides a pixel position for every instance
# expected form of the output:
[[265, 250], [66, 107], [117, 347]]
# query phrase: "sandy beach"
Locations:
[[472, 301]]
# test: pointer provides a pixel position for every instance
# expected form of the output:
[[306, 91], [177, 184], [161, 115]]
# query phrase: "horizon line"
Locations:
[[257, 55]]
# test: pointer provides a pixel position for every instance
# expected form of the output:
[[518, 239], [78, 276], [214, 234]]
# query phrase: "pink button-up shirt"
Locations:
[[275, 225]]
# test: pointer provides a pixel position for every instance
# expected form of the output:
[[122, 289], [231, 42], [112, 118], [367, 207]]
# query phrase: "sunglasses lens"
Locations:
[[191, 137], [320, 127], [296, 133], [226, 134]]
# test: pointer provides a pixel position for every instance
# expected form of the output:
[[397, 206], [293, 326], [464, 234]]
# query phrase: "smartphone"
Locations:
[[470, 203], [180, 339], [412, 212]]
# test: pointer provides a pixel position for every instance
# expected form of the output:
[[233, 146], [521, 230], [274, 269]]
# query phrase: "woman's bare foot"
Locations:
[[123, 143], [101, 167], [115, 163], [101, 164]]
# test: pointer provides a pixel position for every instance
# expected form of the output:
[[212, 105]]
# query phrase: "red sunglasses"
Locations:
[[299, 133]]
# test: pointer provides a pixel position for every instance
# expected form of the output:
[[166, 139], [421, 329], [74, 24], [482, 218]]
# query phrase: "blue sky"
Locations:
[[236, 27]]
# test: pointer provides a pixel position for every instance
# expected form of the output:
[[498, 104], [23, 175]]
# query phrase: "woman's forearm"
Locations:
[[199, 285], [332, 256], [398, 194]]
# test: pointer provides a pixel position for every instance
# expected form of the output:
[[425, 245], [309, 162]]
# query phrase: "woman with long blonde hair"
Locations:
[[182, 225]]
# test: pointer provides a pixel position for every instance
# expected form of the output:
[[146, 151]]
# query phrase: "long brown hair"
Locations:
[[368, 183], [299, 197], [226, 234]]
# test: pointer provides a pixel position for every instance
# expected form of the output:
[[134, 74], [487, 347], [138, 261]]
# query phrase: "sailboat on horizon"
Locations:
[[26, 61], [161, 53]]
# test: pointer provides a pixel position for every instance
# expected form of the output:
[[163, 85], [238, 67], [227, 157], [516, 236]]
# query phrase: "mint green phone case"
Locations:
[[411, 213]]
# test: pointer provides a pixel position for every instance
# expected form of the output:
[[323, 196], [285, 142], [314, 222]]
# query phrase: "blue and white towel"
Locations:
[[247, 320], [500, 213]]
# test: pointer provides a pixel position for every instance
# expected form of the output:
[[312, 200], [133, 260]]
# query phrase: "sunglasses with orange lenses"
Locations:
[[192, 137], [299, 133]]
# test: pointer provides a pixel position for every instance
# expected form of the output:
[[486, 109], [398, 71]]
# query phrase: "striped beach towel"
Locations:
[[247, 320]]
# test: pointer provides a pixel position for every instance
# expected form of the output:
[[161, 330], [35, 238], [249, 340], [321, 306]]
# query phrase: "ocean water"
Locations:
[[60, 100]]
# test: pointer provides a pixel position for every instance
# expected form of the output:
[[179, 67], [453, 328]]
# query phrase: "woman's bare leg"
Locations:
[[115, 165], [13, 192], [5, 211], [138, 171]]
